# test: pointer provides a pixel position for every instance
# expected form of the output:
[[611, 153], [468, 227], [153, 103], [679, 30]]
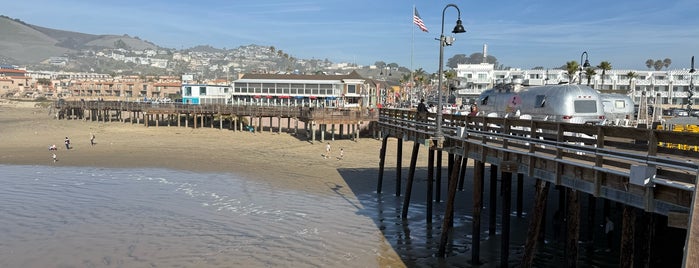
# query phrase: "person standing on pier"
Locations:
[[609, 232]]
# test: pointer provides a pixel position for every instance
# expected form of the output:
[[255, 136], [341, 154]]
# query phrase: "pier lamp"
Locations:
[[585, 65], [444, 41], [690, 94]]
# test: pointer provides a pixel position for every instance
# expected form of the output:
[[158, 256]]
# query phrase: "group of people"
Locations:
[[328, 149], [68, 146], [422, 108]]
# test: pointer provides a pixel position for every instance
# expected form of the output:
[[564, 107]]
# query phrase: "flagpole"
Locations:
[[412, 48]]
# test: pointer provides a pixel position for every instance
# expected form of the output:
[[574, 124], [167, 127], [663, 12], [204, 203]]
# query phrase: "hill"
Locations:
[[22, 43]]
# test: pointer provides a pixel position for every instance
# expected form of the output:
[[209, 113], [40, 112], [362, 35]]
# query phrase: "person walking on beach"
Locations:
[[342, 154], [327, 151], [67, 141], [54, 158], [92, 139]]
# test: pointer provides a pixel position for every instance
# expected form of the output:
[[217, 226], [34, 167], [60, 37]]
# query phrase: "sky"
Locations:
[[520, 34]]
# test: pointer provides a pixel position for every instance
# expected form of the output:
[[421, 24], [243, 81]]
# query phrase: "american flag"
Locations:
[[418, 21]]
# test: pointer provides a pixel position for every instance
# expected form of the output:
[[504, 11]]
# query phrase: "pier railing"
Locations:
[[626, 165]]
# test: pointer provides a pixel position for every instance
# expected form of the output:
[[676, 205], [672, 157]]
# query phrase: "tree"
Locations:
[[649, 63], [272, 49], [667, 62], [631, 76], [658, 65], [589, 72], [604, 66], [380, 64], [572, 68], [457, 59]]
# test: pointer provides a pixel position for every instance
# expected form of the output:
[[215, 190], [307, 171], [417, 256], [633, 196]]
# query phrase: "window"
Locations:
[[540, 101], [619, 104], [585, 106], [351, 89], [202, 91], [484, 101], [188, 91]]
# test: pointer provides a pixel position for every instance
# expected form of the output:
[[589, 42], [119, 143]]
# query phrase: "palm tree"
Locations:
[[272, 49], [605, 66], [667, 62], [589, 72], [649, 63], [631, 76], [572, 69]]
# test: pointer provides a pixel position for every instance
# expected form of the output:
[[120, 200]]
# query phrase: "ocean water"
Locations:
[[95, 217], [99, 217]]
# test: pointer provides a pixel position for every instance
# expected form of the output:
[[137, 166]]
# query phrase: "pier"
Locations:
[[345, 123], [647, 172]]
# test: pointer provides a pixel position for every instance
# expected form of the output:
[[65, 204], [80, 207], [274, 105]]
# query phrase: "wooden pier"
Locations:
[[333, 121], [636, 168]]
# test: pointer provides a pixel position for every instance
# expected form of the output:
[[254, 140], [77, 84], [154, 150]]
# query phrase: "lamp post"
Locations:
[[690, 95], [587, 64], [444, 41]]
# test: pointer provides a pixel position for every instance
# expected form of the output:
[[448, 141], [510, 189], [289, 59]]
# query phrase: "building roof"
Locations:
[[352, 75]]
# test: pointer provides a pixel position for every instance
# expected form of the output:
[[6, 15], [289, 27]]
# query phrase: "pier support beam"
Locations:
[[382, 161], [448, 221], [535, 223], [399, 165], [478, 168], [411, 177]]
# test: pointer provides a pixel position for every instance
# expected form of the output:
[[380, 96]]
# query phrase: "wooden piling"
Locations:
[[535, 223], [493, 200], [430, 183], [627, 237], [520, 194], [438, 182], [506, 169], [382, 161], [411, 177], [449, 210], [399, 165], [573, 227], [478, 168]]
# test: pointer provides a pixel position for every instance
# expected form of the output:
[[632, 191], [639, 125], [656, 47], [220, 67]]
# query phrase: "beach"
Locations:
[[27, 132], [279, 160]]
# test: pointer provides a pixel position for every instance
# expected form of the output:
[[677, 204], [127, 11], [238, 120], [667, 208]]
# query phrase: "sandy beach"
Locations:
[[27, 131]]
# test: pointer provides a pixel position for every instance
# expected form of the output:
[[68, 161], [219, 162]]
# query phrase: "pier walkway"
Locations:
[[645, 170]]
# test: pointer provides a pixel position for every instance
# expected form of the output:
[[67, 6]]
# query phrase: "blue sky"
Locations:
[[520, 34]]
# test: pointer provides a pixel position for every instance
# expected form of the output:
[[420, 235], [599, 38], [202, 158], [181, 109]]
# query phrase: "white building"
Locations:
[[671, 86]]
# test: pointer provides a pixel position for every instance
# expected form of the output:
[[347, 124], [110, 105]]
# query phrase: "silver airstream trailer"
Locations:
[[618, 108], [558, 103]]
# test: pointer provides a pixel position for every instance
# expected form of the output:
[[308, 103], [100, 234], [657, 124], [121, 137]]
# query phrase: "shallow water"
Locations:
[[92, 217], [97, 217]]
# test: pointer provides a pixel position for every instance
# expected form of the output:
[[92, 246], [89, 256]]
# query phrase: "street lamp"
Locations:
[[587, 64], [444, 41], [691, 88]]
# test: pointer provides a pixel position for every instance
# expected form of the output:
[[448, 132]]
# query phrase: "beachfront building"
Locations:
[[14, 81], [319, 90], [127, 88], [669, 88], [205, 94]]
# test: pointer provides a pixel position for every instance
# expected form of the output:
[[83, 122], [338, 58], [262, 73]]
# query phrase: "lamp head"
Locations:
[[586, 64], [692, 70], [459, 28]]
